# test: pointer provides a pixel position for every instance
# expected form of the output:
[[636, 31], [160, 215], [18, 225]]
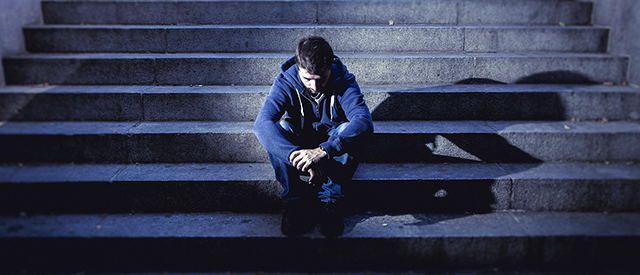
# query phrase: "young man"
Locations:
[[326, 122]]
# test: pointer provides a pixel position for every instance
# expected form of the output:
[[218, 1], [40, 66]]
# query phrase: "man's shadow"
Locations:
[[451, 196]]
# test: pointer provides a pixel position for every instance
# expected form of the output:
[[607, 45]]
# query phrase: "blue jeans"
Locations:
[[339, 169]]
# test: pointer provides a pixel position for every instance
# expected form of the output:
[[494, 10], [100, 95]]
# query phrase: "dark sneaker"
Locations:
[[296, 219], [331, 221]]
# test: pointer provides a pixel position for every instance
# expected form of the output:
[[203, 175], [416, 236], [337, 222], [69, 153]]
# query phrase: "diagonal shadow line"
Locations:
[[477, 196]]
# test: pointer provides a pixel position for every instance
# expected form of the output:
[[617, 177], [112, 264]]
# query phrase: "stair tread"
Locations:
[[374, 225], [288, 1], [221, 172], [287, 55], [466, 88], [308, 26], [381, 127]]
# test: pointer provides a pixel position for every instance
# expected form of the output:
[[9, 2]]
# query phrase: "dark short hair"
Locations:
[[314, 54]]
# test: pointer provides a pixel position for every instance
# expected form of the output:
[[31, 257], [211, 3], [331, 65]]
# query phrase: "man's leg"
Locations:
[[340, 170], [296, 193], [289, 177]]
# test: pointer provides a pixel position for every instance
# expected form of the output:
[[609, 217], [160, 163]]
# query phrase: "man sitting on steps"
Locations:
[[326, 122]]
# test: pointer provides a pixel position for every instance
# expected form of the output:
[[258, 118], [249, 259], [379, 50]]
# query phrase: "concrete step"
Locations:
[[220, 242], [261, 68], [461, 12], [343, 38], [391, 102], [131, 103], [393, 141], [251, 187]]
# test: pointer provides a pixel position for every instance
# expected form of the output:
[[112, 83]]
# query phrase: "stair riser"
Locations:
[[260, 196], [382, 148], [80, 71], [117, 148], [206, 104], [503, 106], [318, 12], [131, 107], [484, 196], [71, 107], [503, 147], [143, 197], [342, 39], [193, 254], [578, 195], [261, 69]]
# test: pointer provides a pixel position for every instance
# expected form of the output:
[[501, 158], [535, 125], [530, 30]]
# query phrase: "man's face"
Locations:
[[314, 82]]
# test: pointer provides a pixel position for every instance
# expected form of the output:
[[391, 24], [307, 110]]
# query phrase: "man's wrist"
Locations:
[[324, 150]]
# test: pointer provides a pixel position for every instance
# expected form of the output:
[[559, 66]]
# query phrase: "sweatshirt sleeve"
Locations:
[[360, 127], [266, 129]]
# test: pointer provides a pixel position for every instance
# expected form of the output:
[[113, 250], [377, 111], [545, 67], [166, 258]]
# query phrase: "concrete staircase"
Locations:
[[505, 139]]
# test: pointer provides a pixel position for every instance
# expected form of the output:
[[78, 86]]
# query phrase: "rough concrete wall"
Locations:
[[14, 14], [2, 82], [623, 16]]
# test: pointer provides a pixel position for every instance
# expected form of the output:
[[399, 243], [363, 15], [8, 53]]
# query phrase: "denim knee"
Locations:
[[344, 158]]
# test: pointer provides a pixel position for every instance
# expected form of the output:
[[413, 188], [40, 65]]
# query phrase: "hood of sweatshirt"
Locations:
[[339, 74]]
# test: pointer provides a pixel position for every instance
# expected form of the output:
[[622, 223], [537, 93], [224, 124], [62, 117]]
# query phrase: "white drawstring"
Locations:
[[334, 113], [301, 108]]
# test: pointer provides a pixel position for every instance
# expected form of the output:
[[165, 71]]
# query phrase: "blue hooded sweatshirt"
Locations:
[[341, 102]]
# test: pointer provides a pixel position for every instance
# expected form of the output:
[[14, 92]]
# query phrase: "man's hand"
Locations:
[[317, 175], [303, 159]]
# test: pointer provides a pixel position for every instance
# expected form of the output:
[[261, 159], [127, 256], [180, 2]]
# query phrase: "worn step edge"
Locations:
[[323, 12], [221, 241], [407, 187], [301, 26], [16, 173], [261, 68], [70, 128], [227, 89], [393, 141], [281, 38], [393, 102]]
